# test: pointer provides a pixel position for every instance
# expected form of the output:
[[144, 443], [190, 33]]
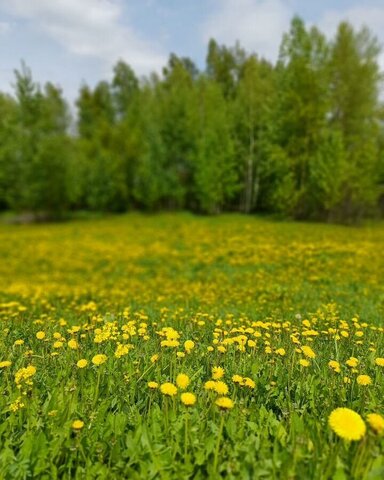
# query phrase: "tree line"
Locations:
[[303, 137]]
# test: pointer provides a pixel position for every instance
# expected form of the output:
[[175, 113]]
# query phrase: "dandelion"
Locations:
[[168, 389], [304, 363], [376, 422], [280, 351], [221, 388], [188, 399], [224, 403], [77, 424], [153, 385], [40, 335], [217, 373], [334, 365], [347, 424], [364, 380], [352, 362], [379, 362], [308, 352], [5, 364], [210, 385], [248, 382], [99, 359], [154, 358], [82, 363], [73, 344], [237, 379], [182, 381], [189, 345]]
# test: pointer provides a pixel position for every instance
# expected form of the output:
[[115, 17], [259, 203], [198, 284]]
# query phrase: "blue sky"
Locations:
[[74, 41]]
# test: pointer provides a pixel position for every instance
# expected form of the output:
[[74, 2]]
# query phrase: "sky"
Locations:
[[70, 42]]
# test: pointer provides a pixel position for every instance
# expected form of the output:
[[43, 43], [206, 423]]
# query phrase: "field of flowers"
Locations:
[[176, 347]]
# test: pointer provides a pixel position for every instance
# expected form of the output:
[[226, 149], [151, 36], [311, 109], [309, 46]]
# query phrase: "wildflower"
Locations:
[[188, 399], [334, 365], [122, 350], [364, 380], [153, 385], [180, 354], [182, 381], [5, 364], [40, 335], [82, 363], [99, 359], [304, 363], [221, 388], [19, 342], [217, 373], [210, 385], [224, 403], [376, 422], [154, 358], [189, 345], [347, 424], [237, 379], [280, 351], [168, 389], [248, 382], [58, 344], [379, 362], [308, 352], [352, 362], [73, 344], [77, 424], [16, 405]]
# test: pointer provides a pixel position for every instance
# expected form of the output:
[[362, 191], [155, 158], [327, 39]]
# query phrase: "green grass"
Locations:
[[240, 288]]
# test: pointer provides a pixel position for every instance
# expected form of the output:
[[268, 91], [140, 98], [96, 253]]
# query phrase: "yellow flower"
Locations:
[[168, 389], [19, 342], [280, 351], [58, 344], [224, 403], [379, 362], [308, 352], [352, 362], [210, 385], [182, 381], [180, 354], [248, 382], [376, 422], [77, 424], [154, 358], [364, 380], [217, 373], [40, 335], [221, 388], [334, 365], [99, 359], [5, 364], [304, 363], [189, 345], [347, 424], [237, 379], [188, 399], [82, 363], [73, 344], [153, 385]]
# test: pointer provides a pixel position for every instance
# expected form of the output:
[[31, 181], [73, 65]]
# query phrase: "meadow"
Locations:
[[174, 347]]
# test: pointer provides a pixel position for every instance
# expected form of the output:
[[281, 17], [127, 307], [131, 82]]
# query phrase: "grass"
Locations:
[[248, 292]]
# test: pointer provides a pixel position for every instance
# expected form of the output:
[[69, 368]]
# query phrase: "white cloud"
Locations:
[[257, 24], [91, 28]]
